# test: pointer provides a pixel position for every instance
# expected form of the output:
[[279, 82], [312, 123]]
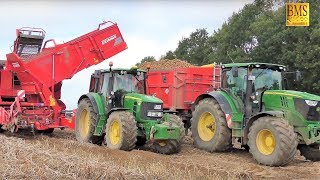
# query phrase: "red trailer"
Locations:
[[179, 87], [31, 78]]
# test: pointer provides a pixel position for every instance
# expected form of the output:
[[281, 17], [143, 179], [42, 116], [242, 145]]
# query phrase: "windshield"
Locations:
[[129, 82], [267, 79], [264, 79]]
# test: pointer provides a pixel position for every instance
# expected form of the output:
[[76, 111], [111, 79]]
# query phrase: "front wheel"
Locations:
[[311, 152], [272, 141], [167, 146], [121, 131], [173, 145]]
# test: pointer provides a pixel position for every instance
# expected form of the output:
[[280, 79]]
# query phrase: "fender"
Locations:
[[98, 105], [116, 109], [219, 97], [257, 116]]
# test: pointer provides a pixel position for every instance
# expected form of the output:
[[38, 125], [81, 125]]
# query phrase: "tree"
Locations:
[[192, 49], [258, 33], [169, 55], [146, 59]]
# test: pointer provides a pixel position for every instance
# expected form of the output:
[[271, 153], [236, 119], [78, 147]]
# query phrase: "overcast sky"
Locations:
[[150, 28]]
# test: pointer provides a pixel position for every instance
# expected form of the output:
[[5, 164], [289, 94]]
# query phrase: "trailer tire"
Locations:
[[310, 152], [121, 131], [86, 121], [207, 114], [272, 141]]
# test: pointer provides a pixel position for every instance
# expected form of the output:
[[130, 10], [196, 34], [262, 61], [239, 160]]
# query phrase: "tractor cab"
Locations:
[[114, 84], [248, 81]]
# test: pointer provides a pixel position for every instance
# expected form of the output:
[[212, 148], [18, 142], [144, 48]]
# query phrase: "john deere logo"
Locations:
[[297, 14]]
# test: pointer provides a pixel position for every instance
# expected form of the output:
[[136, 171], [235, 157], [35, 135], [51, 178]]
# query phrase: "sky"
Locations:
[[150, 28]]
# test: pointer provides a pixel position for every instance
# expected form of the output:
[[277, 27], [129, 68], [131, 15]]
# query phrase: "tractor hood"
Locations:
[[143, 98], [294, 94]]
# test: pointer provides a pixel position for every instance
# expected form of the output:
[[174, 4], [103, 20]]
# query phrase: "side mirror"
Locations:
[[298, 76], [234, 71]]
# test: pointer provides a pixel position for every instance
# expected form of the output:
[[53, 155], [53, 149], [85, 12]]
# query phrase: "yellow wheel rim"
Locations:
[[114, 132], [84, 123], [162, 143], [266, 142], [206, 126]]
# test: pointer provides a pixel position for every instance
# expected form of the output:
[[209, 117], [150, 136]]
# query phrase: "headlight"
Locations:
[[154, 114], [311, 103]]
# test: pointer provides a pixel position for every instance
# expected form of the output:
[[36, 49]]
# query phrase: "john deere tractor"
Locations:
[[253, 109], [117, 113]]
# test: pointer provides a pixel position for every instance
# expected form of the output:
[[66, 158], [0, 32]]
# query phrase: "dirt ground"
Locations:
[[60, 156]]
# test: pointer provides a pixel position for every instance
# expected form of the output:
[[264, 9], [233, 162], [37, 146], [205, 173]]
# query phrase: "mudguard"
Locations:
[[98, 104], [257, 116], [217, 95]]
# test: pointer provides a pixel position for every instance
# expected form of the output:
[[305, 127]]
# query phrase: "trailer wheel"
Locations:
[[272, 141], [121, 131], [311, 152], [209, 127], [86, 121]]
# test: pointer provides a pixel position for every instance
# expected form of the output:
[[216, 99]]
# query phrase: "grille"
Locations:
[[284, 101], [311, 113], [147, 106]]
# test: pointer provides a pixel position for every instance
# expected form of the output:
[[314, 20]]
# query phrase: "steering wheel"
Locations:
[[259, 91]]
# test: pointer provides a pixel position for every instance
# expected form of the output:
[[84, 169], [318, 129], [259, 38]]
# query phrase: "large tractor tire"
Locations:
[[173, 145], [272, 141], [311, 152], [121, 131], [86, 121], [209, 127]]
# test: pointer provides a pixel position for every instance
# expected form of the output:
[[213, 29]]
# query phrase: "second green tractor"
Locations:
[[253, 108], [117, 113]]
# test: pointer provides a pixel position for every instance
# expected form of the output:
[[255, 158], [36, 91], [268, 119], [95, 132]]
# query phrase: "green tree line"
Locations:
[[258, 33]]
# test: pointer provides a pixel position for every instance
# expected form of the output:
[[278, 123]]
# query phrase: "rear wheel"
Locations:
[[86, 121], [121, 131], [272, 141], [311, 152], [209, 127]]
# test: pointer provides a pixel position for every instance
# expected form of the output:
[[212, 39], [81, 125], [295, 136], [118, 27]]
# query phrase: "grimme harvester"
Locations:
[[31, 77]]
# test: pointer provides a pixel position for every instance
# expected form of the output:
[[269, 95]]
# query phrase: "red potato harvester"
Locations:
[[31, 77]]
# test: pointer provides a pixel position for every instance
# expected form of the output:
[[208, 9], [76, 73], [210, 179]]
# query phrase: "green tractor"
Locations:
[[117, 113], [253, 109]]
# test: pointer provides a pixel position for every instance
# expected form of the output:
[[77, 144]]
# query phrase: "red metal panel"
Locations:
[[6, 80], [179, 87]]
